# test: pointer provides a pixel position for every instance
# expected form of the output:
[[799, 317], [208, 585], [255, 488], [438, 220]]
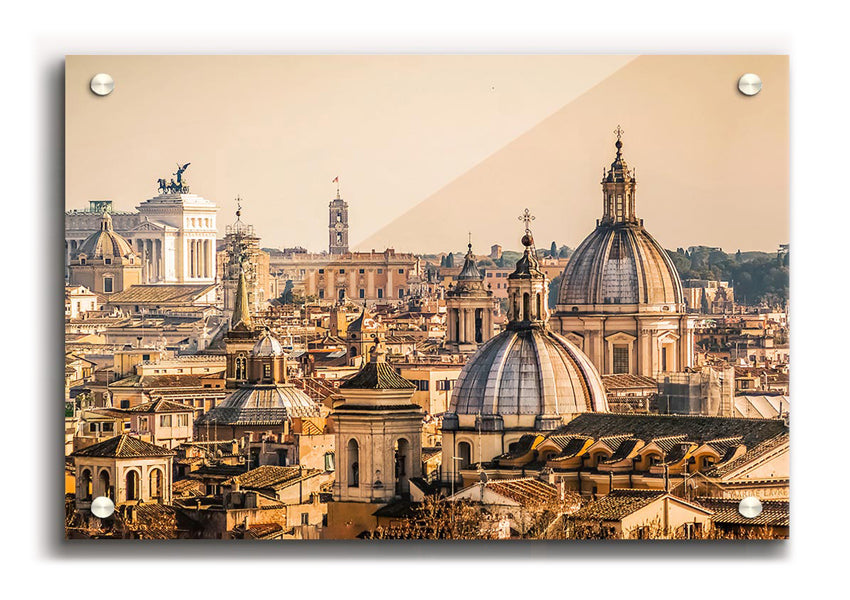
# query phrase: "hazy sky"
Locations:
[[430, 147]]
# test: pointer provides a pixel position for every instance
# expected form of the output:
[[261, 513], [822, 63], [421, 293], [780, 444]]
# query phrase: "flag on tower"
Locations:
[[336, 179]]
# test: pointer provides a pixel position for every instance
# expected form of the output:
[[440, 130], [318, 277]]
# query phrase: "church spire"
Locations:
[[241, 312], [618, 188]]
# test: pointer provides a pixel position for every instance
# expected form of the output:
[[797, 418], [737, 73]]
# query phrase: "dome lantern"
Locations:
[[528, 286]]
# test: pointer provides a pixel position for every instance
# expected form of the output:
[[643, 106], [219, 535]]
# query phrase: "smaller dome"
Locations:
[[267, 345], [105, 243]]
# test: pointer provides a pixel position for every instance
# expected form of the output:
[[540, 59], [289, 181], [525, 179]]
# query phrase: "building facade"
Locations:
[[174, 235]]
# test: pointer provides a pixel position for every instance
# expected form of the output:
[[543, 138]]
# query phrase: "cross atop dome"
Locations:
[[526, 217]]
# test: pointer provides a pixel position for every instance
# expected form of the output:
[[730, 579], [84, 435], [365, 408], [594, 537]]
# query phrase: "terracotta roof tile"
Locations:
[[123, 446]]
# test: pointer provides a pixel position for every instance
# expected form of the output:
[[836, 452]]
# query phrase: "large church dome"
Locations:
[[620, 262], [528, 371]]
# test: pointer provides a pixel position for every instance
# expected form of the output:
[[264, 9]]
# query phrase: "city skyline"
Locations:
[[391, 200]]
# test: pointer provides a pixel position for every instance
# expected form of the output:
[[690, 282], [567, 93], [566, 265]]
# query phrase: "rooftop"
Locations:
[[123, 446]]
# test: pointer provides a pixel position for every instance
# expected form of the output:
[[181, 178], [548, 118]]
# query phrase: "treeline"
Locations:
[[758, 277], [508, 258]]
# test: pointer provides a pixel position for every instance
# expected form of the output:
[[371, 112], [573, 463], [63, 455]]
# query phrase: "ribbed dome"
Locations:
[[105, 243], [528, 371], [267, 345], [620, 264], [262, 405]]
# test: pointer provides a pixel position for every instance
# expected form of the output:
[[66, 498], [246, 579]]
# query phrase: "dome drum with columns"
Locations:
[[527, 379], [621, 298]]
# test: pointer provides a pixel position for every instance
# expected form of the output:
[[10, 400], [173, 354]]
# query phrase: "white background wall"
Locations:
[[36, 36]]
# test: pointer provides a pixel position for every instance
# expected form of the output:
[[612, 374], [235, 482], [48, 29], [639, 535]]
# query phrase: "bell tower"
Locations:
[[337, 224], [469, 308]]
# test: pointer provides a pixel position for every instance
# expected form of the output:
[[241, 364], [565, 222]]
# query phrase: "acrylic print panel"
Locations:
[[327, 297]]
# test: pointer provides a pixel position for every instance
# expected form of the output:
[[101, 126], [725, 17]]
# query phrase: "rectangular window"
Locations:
[[108, 427], [444, 385], [362, 271], [183, 420], [125, 404], [362, 293], [620, 358], [107, 261], [401, 271], [421, 384], [342, 271], [267, 370], [380, 271], [321, 293], [380, 293], [321, 271], [305, 518], [165, 420], [329, 461], [401, 292], [107, 285]]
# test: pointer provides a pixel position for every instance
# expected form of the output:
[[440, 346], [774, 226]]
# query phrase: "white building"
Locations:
[[173, 233]]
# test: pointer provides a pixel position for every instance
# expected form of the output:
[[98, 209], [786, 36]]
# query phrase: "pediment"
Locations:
[[148, 225], [620, 337]]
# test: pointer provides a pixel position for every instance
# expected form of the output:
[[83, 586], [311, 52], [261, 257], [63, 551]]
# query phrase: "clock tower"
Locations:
[[338, 225]]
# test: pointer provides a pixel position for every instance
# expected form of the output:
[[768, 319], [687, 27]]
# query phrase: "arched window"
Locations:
[[353, 463], [464, 453], [479, 325], [241, 367], [156, 484], [526, 307], [539, 307], [132, 485], [402, 466], [353, 351], [104, 487], [86, 484]]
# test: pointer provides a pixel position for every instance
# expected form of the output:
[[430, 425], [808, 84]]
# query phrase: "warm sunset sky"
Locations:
[[430, 147]]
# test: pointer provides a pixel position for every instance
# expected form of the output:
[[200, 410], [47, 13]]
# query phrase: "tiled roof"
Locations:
[[764, 447], [623, 450], [123, 446], [377, 375], [774, 513], [524, 491], [627, 381], [617, 504], [696, 428], [273, 477], [573, 446], [163, 294], [160, 406], [261, 531], [187, 487]]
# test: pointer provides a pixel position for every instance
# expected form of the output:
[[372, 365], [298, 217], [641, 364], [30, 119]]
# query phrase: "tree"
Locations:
[[553, 251], [450, 261]]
